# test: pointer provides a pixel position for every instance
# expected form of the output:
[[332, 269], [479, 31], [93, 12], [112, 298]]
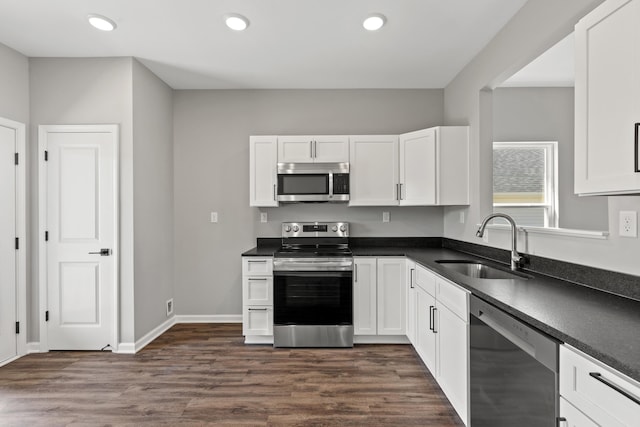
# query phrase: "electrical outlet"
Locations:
[[385, 216], [214, 216], [628, 224], [169, 307], [461, 218], [263, 217]]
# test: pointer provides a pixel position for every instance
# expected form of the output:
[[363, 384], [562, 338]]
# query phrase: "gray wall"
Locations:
[[153, 198], [88, 91], [535, 28], [546, 114], [14, 85], [211, 143]]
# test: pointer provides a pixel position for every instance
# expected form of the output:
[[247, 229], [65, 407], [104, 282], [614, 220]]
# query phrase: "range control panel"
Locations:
[[315, 229]]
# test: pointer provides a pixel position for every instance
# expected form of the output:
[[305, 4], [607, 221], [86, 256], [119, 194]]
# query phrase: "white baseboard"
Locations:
[[33, 347], [132, 348], [212, 318], [6, 362], [258, 339]]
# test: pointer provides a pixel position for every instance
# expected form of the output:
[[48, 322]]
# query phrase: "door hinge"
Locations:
[[46, 316], [46, 156], [46, 236], [17, 243], [17, 327], [16, 158]]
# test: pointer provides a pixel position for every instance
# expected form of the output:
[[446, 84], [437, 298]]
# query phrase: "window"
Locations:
[[525, 182]]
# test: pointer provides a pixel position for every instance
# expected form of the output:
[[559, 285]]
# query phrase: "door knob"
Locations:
[[103, 252]]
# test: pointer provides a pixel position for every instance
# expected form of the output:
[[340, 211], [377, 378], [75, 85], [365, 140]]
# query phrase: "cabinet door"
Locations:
[[263, 171], [418, 168], [453, 358], [607, 99], [374, 170], [391, 297], [295, 149], [331, 149], [364, 296], [426, 338], [573, 417], [412, 314]]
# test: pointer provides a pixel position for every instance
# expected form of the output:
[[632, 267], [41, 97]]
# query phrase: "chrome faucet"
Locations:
[[516, 259]]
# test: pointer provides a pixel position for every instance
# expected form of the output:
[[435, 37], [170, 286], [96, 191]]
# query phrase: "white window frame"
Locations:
[[551, 179]]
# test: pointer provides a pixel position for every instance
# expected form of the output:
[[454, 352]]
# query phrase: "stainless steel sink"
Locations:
[[479, 270]]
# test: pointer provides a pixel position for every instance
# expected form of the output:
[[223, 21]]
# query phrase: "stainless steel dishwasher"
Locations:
[[514, 371]]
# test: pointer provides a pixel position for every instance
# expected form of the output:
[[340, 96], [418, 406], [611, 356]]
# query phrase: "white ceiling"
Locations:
[[289, 43], [554, 68]]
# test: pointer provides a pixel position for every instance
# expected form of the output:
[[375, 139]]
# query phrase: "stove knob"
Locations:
[[343, 228], [334, 228], [287, 228], [295, 228]]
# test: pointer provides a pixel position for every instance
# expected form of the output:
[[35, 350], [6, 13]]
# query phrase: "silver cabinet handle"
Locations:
[[434, 320], [397, 191], [411, 278], [400, 191], [637, 130], [102, 252], [257, 261], [431, 317], [258, 309], [355, 273], [258, 278], [311, 149], [274, 191]]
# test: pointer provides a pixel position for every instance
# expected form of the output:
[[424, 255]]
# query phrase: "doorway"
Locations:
[[13, 247], [79, 229]]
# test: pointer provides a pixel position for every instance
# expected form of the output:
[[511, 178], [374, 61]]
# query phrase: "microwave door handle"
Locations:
[[330, 184]]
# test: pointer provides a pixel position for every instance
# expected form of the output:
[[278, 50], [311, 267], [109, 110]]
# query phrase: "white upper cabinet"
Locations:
[[434, 166], [313, 149], [263, 173], [373, 177], [607, 97]]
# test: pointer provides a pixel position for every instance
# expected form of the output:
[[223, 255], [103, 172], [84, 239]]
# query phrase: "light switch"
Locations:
[[214, 216], [263, 217]]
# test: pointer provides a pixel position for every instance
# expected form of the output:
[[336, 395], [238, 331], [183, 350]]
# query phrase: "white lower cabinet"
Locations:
[[603, 396], [379, 297], [572, 417], [257, 299], [442, 335], [410, 272]]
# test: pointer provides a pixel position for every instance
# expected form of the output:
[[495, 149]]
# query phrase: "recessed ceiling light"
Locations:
[[236, 22], [374, 22], [101, 22]]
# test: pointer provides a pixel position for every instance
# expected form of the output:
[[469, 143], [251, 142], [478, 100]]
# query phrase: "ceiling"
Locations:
[[288, 44], [554, 68]]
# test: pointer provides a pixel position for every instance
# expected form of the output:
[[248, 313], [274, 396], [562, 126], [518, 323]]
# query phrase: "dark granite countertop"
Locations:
[[601, 324]]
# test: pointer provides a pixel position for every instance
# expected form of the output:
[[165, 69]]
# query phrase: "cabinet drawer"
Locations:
[[573, 417], [257, 290], [426, 280], [583, 383], [257, 266], [454, 297], [257, 320]]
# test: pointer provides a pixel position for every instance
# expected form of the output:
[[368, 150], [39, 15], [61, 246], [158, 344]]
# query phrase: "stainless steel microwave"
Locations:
[[313, 182]]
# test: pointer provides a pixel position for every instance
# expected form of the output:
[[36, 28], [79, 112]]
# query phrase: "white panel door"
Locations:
[[607, 99], [374, 170], [81, 221], [418, 169], [364, 296], [392, 297], [263, 159], [8, 283]]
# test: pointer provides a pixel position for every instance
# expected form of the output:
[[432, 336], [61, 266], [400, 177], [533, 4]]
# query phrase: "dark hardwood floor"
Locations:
[[203, 374]]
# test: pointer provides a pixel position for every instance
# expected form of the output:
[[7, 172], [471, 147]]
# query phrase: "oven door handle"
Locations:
[[312, 273]]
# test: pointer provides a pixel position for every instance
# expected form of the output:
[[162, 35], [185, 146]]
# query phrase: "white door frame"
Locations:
[[21, 234], [43, 130]]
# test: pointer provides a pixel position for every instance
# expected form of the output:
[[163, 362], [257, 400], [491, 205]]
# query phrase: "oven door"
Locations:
[[303, 187], [312, 298]]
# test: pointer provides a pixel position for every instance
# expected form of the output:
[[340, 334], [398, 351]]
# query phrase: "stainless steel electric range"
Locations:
[[312, 286]]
